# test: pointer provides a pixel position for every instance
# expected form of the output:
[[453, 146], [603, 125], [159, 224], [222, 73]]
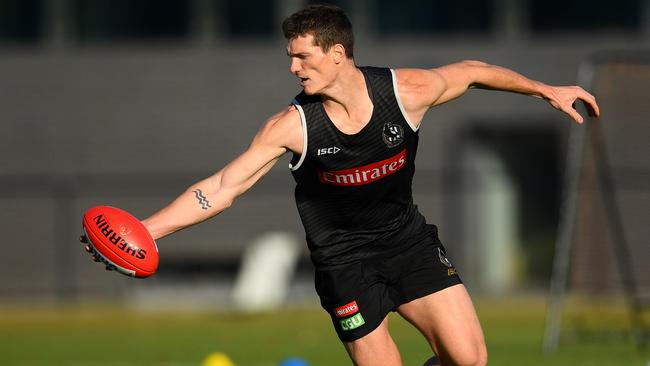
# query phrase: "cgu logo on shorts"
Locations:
[[352, 322]]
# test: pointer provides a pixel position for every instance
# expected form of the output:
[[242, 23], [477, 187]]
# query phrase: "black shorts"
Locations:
[[358, 296]]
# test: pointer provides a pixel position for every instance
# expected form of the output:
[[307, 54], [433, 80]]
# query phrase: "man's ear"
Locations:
[[339, 53]]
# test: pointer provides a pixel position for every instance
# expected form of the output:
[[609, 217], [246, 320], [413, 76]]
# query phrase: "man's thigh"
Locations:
[[449, 322], [374, 349]]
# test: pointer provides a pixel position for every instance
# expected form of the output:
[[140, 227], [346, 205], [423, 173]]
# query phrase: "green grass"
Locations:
[[100, 336]]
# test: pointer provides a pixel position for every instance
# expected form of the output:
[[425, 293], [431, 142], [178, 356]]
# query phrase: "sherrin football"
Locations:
[[121, 241]]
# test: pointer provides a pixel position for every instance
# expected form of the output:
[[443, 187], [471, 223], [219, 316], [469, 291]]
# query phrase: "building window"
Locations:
[[253, 18], [343, 4], [585, 15], [21, 21], [426, 16], [108, 20]]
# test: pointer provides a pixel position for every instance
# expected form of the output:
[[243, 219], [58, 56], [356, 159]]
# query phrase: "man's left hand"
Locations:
[[564, 98]]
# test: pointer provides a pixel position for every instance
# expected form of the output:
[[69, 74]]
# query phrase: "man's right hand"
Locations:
[[93, 253]]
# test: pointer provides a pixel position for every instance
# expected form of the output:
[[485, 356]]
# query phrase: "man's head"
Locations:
[[320, 46], [326, 23]]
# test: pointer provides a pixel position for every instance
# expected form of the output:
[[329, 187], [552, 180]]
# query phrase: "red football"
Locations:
[[121, 241]]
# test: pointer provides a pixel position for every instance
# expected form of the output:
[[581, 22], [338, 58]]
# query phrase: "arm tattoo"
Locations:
[[202, 200]]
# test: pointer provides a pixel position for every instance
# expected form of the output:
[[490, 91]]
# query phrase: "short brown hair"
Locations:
[[327, 23]]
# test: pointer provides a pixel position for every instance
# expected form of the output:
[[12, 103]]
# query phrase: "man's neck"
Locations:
[[347, 102], [348, 91]]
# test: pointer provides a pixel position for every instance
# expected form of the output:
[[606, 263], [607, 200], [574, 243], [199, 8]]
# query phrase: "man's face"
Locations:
[[315, 69]]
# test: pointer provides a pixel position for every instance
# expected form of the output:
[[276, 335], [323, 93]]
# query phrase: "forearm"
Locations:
[[422, 89], [562, 98], [494, 77], [198, 203], [461, 76], [212, 195]]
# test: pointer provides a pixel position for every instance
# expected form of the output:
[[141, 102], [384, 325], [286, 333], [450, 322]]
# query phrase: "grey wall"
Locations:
[[133, 126]]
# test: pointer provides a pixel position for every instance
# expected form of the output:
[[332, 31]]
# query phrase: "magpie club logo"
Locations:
[[443, 258], [393, 134]]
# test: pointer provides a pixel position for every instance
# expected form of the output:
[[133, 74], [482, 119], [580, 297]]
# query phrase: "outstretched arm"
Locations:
[[214, 194], [421, 89]]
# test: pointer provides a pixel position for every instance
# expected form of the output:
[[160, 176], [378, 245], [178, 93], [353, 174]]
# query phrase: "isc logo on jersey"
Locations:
[[328, 150]]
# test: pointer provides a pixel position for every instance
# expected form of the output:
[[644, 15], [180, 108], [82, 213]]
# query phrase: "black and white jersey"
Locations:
[[353, 192]]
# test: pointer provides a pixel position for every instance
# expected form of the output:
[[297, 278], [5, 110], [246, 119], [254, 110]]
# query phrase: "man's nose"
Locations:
[[295, 66]]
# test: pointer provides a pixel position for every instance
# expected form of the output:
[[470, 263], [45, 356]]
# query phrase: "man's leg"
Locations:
[[448, 320], [433, 361], [377, 348]]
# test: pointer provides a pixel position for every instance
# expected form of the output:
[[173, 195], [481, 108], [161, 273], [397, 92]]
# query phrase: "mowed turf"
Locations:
[[102, 335]]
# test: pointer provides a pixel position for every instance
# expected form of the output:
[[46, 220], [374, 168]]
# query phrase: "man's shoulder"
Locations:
[[288, 117], [303, 99], [413, 72], [283, 129], [376, 70], [418, 80]]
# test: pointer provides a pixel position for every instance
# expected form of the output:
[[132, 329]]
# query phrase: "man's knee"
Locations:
[[481, 355], [474, 355]]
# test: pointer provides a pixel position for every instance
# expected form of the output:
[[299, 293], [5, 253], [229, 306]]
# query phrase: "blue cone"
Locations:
[[293, 361]]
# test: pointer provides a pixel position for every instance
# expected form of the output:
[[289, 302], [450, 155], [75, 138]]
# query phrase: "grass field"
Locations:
[[100, 335]]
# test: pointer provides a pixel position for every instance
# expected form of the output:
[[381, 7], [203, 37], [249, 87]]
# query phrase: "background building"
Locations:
[[126, 103]]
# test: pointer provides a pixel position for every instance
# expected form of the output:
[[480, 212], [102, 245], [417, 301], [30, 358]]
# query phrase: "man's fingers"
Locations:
[[92, 253], [577, 117], [574, 114], [590, 103], [83, 239], [566, 98], [592, 107]]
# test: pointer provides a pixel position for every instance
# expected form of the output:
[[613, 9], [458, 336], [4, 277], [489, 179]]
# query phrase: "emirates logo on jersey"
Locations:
[[364, 174]]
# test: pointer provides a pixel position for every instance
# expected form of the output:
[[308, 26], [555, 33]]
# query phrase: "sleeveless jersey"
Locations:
[[353, 192]]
